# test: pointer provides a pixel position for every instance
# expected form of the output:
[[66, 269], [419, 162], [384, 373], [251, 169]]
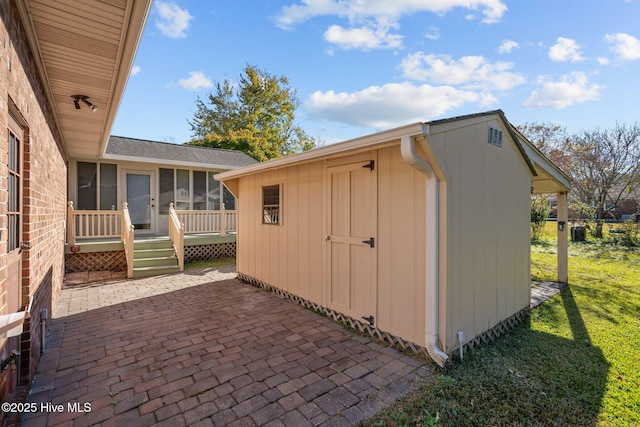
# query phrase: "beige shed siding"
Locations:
[[401, 236], [290, 255], [488, 229]]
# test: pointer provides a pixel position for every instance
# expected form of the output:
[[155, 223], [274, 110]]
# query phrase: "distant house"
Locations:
[[61, 82], [418, 235]]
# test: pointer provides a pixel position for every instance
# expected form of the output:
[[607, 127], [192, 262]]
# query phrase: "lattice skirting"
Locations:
[[497, 331], [358, 326], [385, 337], [211, 251], [95, 261]]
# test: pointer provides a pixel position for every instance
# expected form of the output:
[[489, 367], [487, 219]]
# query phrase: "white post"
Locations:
[[223, 220], [71, 225], [563, 226]]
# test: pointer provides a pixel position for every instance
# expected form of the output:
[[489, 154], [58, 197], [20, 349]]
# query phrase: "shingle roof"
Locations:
[[143, 149]]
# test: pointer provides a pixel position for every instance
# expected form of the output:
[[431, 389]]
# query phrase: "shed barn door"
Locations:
[[352, 217]]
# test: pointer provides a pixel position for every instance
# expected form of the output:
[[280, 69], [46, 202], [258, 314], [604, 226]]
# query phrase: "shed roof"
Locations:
[[547, 177], [140, 150]]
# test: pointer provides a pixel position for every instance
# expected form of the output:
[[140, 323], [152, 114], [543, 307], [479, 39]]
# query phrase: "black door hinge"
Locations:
[[371, 242], [370, 165]]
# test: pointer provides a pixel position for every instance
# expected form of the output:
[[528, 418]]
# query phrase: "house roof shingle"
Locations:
[[119, 146]]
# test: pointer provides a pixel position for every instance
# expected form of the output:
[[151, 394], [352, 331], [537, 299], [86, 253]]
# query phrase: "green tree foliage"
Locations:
[[255, 116], [540, 209], [604, 164]]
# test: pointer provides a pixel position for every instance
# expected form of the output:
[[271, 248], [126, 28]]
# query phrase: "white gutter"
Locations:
[[407, 148]]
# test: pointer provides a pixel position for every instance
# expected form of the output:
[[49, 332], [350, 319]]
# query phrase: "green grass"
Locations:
[[576, 362], [213, 263]]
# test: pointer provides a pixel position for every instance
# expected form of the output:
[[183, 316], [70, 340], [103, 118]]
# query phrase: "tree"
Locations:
[[551, 139], [605, 167], [604, 164], [255, 116]]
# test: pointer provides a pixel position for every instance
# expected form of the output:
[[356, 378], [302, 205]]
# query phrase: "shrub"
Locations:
[[540, 209]]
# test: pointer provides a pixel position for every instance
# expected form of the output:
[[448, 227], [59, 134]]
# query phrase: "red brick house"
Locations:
[[63, 70]]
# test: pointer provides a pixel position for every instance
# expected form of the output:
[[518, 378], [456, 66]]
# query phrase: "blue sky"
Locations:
[[361, 66]]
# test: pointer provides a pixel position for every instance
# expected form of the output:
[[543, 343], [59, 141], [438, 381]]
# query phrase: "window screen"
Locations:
[[199, 190], [108, 186], [182, 189], [271, 204], [87, 191], [166, 189]]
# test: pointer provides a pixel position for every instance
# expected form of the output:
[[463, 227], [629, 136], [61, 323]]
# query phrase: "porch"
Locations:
[[106, 240]]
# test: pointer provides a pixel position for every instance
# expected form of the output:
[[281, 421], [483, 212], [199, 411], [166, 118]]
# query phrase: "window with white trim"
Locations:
[[271, 205]]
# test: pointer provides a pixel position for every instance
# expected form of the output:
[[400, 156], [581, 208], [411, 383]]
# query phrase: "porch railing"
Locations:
[[209, 221], [127, 238], [92, 224], [176, 234]]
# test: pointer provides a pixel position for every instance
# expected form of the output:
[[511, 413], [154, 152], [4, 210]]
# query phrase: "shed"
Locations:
[[419, 235]]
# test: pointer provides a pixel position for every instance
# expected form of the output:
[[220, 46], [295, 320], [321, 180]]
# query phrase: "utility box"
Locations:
[[578, 233]]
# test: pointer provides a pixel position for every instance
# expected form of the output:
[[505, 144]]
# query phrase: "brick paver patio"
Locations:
[[201, 348]]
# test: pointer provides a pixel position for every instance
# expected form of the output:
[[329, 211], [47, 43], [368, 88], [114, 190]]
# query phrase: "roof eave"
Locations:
[[329, 150], [123, 158], [134, 31]]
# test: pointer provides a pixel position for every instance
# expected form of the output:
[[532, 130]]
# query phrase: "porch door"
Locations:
[[140, 200], [14, 214], [352, 252]]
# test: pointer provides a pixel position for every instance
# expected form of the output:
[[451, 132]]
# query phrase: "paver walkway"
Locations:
[[543, 291], [201, 348]]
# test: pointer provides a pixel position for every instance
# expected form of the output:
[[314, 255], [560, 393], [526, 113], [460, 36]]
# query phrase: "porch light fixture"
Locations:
[[85, 100]]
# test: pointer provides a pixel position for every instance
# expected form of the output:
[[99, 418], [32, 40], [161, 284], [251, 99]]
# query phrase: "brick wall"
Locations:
[[44, 192]]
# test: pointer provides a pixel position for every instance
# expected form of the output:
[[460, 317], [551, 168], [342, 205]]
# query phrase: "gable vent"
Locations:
[[495, 136]]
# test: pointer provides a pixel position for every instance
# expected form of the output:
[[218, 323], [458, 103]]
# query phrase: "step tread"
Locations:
[[157, 267]]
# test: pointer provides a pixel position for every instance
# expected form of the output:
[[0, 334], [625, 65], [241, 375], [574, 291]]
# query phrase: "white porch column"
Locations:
[[223, 220], [563, 227]]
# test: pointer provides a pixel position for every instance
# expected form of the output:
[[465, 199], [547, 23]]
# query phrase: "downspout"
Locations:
[[409, 155]]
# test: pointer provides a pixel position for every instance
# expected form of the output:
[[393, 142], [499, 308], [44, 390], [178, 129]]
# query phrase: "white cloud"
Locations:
[[433, 34], [173, 21], [377, 16], [571, 89], [362, 38], [196, 80], [392, 104], [624, 45], [507, 46], [135, 70], [565, 50], [470, 72], [603, 60]]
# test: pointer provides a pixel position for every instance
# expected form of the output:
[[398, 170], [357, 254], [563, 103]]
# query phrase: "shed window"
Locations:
[[271, 204]]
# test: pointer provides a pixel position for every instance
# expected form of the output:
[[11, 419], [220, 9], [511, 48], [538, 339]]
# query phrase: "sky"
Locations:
[[362, 66]]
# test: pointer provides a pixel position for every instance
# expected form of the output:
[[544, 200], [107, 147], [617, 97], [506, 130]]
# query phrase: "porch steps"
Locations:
[[154, 257]]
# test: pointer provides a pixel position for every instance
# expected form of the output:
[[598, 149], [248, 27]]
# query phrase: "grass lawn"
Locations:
[[575, 362], [213, 263]]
